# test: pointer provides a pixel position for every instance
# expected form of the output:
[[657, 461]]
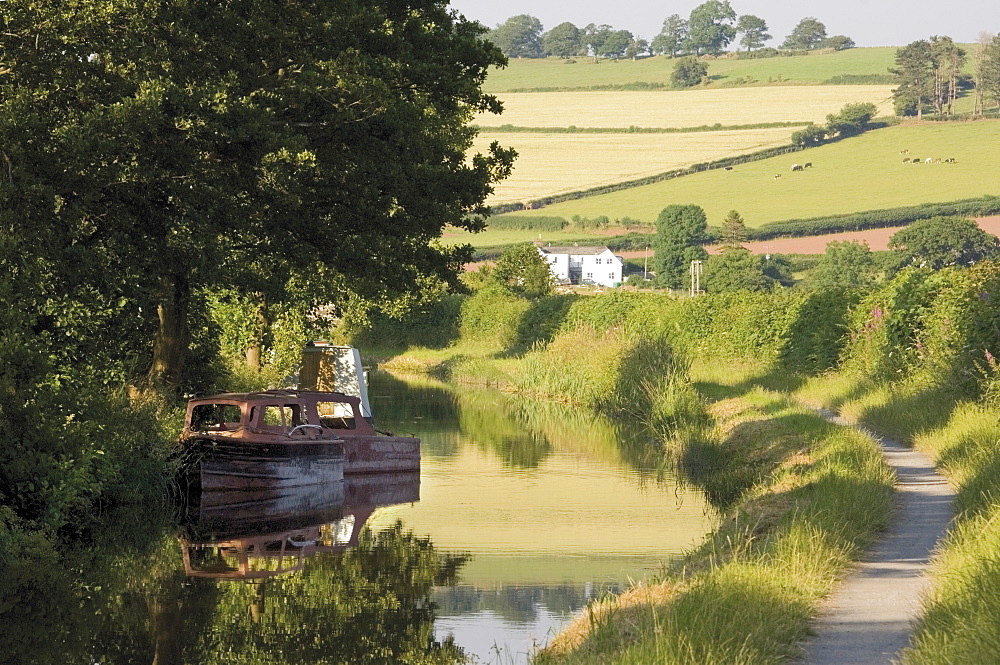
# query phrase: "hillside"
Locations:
[[862, 173]]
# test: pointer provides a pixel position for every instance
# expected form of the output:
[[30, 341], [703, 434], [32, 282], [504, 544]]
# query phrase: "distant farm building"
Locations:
[[583, 265]]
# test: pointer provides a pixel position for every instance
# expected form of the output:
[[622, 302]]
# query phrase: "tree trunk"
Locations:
[[172, 337], [261, 324]]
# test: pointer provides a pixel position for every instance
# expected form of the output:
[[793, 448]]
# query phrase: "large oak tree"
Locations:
[[153, 147]]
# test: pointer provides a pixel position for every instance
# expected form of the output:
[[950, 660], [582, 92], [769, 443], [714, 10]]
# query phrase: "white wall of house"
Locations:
[[604, 269], [558, 264], [593, 266]]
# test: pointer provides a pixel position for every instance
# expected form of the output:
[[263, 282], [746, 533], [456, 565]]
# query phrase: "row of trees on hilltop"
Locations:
[[929, 72], [709, 30]]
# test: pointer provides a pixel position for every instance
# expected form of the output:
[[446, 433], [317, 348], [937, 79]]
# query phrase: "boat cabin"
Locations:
[[287, 414]]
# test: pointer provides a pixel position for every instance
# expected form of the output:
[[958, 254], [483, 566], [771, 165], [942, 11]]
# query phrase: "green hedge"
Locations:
[[527, 223], [874, 219], [862, 79]]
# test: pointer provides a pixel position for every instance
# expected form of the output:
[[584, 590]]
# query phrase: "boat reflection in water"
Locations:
[[257, 534]]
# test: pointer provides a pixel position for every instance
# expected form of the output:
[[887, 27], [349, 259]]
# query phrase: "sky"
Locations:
[[867, 22]]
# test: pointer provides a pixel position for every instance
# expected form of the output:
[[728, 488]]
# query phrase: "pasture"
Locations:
[[811, 69], [556, 163], [861, 173], [689, 108]]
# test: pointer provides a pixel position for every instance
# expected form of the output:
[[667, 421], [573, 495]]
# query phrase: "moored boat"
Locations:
[[286, 438]]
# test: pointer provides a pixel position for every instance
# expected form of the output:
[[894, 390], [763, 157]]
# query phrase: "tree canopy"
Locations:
[[710, 27], [154, 149], [688, 71], [680, 233], [671, 39], [563, 40], [521, 270], [943, 241], [737, 269], [754, 31], [845, 265], [519, 37], [807, 35]]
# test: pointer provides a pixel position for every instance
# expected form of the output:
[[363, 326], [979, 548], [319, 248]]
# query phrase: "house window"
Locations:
[[590, 275], [598, 262], [611, 275]]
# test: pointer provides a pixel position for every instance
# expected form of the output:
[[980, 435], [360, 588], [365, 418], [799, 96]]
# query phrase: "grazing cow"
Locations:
[[807, 165], [916, 160], [727, 168], [950, 160], [904, 151], [928, 160], [777, 175], [796, 167]]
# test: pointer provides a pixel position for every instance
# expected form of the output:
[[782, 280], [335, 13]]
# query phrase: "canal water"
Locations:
[[553, 505], [522, 513]]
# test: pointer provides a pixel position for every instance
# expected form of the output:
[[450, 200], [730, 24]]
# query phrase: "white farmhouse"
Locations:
[[583, 265]]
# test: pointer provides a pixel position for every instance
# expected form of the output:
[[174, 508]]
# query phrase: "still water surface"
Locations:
[[522, 512], [555, 505]]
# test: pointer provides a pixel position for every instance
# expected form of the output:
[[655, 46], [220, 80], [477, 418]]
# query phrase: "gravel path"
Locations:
[[868, 619]]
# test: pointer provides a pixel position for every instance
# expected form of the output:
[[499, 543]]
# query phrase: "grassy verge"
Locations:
[[803, 497]]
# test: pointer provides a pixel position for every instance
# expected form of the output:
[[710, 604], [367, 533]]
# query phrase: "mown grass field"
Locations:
[[815, 68], [555, 163], [691, 108], [862, 173]]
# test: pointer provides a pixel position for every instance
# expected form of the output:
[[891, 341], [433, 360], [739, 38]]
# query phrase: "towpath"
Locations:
[[868, 620]]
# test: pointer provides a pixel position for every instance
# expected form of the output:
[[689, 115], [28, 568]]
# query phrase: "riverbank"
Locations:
[[913, 359]]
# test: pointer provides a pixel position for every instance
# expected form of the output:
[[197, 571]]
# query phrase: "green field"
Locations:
[[862, 173], [815, 68]]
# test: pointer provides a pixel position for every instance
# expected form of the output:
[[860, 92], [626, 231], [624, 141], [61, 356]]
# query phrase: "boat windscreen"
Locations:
[[215, 416]]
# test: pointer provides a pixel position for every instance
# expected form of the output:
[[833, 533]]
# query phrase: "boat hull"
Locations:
[[241, 466], [381, 454]]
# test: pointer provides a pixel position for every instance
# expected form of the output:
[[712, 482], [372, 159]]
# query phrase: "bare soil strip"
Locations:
[[869, 619]]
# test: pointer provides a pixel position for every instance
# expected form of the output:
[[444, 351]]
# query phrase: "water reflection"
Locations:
[[261, 534], [522, 512], [281, 578], [557, 505]]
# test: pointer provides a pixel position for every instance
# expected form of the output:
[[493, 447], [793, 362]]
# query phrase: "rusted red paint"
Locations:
[[286, 438]]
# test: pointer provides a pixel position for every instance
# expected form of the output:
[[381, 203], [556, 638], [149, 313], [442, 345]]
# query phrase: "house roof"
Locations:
[[577, 251]]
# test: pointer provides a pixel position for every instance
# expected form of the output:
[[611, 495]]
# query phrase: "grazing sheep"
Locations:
[[928, 160], [796, 167]]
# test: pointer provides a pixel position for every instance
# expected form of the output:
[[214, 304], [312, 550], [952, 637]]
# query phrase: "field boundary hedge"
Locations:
[[633, 129], [504, 208], [874, 219]]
